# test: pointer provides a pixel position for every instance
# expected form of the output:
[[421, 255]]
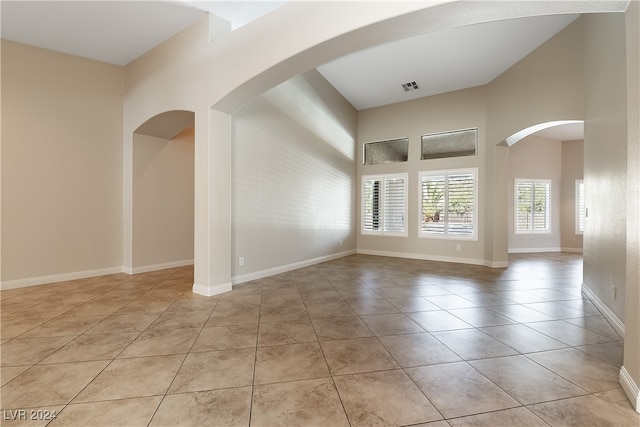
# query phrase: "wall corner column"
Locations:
[[630, 371], [212, 221]]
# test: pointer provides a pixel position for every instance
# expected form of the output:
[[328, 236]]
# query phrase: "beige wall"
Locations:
[[293, 180], [630, 375], [605, 159], [162, 201], [572, 170], [536, 158], [61, 166], [453, 111]]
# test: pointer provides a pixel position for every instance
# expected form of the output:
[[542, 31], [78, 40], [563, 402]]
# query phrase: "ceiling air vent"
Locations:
[[410, 86]]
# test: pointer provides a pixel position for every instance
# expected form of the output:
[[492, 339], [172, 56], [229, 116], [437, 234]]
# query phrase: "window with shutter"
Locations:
[[532, 206], [448, 201], [384, 204], [579, 206]]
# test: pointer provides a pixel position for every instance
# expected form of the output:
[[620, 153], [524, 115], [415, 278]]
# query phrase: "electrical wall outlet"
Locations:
[[241, 261], [458, 247]]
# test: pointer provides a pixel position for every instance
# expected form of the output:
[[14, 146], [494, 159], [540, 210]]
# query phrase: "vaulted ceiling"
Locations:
[[118, 32]]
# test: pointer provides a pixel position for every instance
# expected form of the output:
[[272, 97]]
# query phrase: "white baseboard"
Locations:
[[572, 250], [471, 261], [288, 267], [611, 317], [533, 250], [630, 388], [156, 267], [209, 291], [55, 278]]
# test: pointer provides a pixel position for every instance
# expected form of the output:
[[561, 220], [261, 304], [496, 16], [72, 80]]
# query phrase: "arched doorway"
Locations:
[[163, 192], [550, 158]]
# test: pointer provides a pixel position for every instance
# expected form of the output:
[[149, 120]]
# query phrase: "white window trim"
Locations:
[[577, 202], [446, 236], [382, 178], [515, 206]]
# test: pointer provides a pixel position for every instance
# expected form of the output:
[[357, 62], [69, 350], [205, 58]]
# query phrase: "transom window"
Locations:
[[457, 143], [391, 151], [532, 206], [448, 204], [384, 204]]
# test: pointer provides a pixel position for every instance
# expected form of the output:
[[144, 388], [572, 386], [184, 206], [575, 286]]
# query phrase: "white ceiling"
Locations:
[[118, 32]]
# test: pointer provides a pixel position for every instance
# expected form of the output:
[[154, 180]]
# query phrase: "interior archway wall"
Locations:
[[189, 72], [162, 192]]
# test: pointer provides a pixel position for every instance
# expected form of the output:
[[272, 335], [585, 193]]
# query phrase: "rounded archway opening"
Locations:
[[545, 190], [163, 192]]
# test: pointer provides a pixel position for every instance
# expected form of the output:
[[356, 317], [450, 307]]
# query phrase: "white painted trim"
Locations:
[[572, 250], [209, 291], [611, 317], [54, 278], [630, 388], [288, 267], [533, 250], [424, 257], [156, 267]]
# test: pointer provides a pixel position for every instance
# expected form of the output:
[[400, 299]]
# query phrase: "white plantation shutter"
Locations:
[[394, 204], [384, 204], [433, 191], [532, 206], [579, 206], [448, 202], [461, 204], [371, 205]]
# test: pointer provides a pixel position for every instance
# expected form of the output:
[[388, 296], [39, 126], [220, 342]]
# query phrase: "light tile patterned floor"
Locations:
[[360, 341]]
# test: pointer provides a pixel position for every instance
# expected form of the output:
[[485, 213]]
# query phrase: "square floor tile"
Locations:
[[521, 417], [523, 339], [129, 412], [372, 306], [228, 407], [215, 370], [357, 355], [437, 321], [286, 333], [472, 344], [584, 370], [525, 380], [289, 362], [44, 385], [29, 351], [585, 411], [567, 333], [340, 328], [159, 342], [298, 403], [226, 337], [92, 347], [181, 319], [383, 399], [480, 317], [391, 324], [418, 350], [329, 310], [128, 378], [457, 389]]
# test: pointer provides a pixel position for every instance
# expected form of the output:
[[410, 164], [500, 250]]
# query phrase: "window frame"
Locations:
[[548, 210], [371, 144], [447, 234], [383, 179], [580, 207], [449, 154]]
